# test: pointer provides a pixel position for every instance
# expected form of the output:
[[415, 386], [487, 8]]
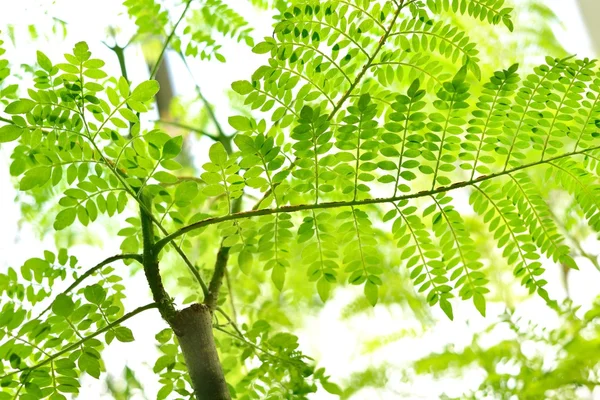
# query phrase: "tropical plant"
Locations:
[[364, 124]]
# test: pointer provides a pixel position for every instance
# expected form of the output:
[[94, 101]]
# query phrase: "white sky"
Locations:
[[334, 342]]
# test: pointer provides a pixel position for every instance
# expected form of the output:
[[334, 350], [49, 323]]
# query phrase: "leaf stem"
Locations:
[[382, 41], [168, 41]]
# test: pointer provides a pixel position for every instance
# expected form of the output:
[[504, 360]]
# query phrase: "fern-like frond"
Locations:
[[430, 36], [458, 251], [483, 144], [422, 256], [537, 217], [492, 202], [583, 186], [360, 256], [490, 10]]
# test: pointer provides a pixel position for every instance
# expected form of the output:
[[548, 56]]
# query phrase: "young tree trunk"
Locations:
[[193, 327]]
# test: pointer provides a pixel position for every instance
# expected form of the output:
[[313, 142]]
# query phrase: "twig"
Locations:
[[169, 38], [188, 127], [90, 271], [203, 99]]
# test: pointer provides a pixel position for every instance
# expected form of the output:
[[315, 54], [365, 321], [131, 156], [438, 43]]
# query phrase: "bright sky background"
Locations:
[[335, 343]]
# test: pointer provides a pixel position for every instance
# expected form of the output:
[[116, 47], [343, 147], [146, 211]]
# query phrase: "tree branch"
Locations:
[[85, 339], [220, 267], [90, 271], [217, 279], [150, 262], [336, 204]]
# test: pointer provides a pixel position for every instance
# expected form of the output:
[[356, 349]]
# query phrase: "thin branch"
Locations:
[[336, 204], [231, 298], [188, 127], [90, 271], [184, 179], [120, 53], [217, 278], [266, 352], [220, 266], [168, 41], [211, 113], [85, 339]]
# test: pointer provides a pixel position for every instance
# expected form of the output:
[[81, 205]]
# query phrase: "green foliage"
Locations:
[[365, 124], [569, 344]]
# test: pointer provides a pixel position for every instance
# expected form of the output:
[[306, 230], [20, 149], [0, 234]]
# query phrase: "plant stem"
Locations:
[[150, 262], [336, 204]]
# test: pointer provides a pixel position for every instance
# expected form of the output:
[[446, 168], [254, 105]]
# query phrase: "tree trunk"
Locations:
[[193, 327]]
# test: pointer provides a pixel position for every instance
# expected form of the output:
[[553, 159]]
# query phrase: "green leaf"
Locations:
[[8, 133], [172, 147], [332, 388], [145, 91], [240, 123], [124, 334], [263, 47], [372, 292], [186, 191], [44, 61], [123, 87], [164, 391], [21, 106], [278, 276], [245, 261], [129, 115], [81, 51], [323, 289], [63, 306], [479, 302], [447, 308], [164, 336], [35, 177], [244, 143], [217, 154], [95, 294], [242, 87], [460, 76], [65, 218], [90, 364], [164, 177]]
